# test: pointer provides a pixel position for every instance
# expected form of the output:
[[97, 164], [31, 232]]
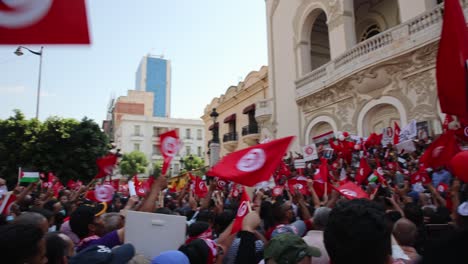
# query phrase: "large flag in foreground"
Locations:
[[441, 151], [106, 165], [452, 59], [170, 145], [43, 22], [251, 165]]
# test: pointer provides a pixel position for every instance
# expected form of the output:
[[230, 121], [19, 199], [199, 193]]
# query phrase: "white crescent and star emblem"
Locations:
[[465, 131], [242, 211], [309, 150], [361, 171], [349, 192], [104, 193], [252, 160], [170, 146], [24, 12], [436, 152]]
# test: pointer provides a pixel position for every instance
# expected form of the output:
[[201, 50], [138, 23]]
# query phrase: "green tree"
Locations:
[[133, 163], [67, 147], [193, 163]]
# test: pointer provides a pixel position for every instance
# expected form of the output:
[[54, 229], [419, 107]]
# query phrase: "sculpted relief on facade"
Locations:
[[410, 79]]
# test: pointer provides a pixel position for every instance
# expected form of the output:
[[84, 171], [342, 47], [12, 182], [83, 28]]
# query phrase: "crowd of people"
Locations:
[[418, 215]]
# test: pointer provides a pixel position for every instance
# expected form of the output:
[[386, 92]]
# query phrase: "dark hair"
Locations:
[[205, 216], [356, 232], [19, 242], [30, 218], [80, 219], [197, 228], [266, 214], [56, 248], [44, 212], [164, 210], [414, 213], [50, 205], [196, 251], [278, 211], [222, 221]]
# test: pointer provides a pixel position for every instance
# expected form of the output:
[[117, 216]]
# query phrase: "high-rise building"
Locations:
[[154, 75]]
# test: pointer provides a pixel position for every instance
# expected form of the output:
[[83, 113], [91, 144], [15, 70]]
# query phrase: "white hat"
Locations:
[[463, 209]]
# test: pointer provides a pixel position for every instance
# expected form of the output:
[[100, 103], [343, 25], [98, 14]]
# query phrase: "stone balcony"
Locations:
[[263, 110], [411, 35], [250, 134], [230, 141]]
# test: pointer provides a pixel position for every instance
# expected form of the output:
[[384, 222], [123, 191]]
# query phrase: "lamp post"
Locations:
[[19, 52], [214, 145]]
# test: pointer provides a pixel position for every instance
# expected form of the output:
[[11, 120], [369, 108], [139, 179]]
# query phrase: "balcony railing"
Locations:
[[231, 136], [250, 129], [412, 34]]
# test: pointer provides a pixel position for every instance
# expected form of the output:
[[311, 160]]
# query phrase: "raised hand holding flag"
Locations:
[[244, 209]]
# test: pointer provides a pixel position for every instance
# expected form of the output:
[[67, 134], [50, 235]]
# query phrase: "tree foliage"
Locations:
[[67, 147], [133, 163], [193, 163]]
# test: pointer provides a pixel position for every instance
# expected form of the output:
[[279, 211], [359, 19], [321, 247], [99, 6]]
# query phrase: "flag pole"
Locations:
[[19, 176]]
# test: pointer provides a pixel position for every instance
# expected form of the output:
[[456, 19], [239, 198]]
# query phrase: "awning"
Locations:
[[230, 118], [213, 125], [248, 109]]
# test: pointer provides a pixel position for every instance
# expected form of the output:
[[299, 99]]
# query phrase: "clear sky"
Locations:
[[212, 45]]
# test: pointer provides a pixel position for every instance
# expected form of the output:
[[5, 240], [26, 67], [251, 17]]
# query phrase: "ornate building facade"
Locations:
[[237, 124], [352, 65]]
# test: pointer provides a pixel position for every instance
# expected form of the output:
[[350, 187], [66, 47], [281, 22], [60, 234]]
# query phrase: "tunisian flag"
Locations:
[[396, 134], [170, 145], [244, 209], [363, 171], [106, 165], [351, 191], [452, 59], [441, 151], [200, 188], [251, 165], [43, 22]]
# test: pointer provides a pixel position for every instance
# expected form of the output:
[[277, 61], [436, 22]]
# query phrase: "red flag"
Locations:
[[234, 191], [363, 172], [201, 190], [252, 165], [351, 191], [57, 188], [451, 68], [299, 183], [170, 145], [43, 21], [105, 165], [139, 188], [380, 174], [221, 184], [420, 176], [441, 151], [71, 184], [322, 174], [104, 193], [374, 140], [277, 191], [244, 209], [396, 134], [5, 203]]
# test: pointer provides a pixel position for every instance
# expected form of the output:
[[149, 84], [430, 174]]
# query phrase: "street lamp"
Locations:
[[214, 115], [214, 145], [19, 52]]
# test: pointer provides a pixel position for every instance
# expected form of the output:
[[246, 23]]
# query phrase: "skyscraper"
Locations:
[[154, 75]]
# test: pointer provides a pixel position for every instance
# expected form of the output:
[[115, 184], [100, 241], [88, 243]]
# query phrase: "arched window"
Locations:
[[319, 42], [371, 31]]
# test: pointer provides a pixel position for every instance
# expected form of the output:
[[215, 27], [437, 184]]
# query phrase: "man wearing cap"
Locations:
[[289, 248], [87, 224], [99, 254]]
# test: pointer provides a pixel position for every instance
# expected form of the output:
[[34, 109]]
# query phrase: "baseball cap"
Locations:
[[171, 257], [289, 248], [100, 254], [298, 227]]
